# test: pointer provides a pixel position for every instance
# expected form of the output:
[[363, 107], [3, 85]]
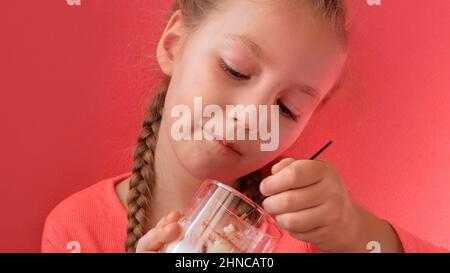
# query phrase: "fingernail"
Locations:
[[167, 227], [262, 187], [171, 215]]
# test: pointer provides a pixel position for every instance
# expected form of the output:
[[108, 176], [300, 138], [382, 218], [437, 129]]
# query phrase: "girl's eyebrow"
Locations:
[[309, 90], [247, 42]]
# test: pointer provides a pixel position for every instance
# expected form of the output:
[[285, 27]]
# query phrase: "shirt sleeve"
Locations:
[[410, 243], [413, 244], [52, 242]]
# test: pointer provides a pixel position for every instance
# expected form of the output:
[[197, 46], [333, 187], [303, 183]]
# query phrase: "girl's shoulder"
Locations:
[[88, 214], [101, 195]]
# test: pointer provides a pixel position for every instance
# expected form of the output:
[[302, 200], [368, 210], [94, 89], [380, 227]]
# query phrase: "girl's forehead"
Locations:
[[265, 7], [274, 25]]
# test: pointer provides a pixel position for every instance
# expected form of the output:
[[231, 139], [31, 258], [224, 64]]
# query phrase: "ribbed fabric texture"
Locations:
[[94, 220]]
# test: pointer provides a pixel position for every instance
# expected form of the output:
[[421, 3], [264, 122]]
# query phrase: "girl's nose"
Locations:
[[244, 121], [238, 118], [260, 97]]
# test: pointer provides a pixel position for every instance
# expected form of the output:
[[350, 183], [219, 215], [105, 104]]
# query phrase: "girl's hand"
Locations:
[[165, 231], [309, 200]]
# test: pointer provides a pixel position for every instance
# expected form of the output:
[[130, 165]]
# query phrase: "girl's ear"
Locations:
[[170, 43]]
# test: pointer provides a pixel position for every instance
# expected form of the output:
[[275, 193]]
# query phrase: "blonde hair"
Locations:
[[142, 179]]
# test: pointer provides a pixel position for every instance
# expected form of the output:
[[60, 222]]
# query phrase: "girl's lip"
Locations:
[[229, 145]]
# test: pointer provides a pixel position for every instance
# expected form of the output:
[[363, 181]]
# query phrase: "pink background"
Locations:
[[74, 83]]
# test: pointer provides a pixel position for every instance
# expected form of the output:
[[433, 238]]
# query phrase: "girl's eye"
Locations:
[[233, 73], [285, 111]]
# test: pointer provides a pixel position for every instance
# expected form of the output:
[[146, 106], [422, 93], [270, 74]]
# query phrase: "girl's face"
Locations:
[[247, 53]]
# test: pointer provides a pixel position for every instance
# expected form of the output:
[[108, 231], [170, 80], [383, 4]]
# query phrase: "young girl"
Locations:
[[288, 53]]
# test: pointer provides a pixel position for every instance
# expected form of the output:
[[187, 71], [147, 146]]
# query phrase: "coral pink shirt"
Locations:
[[94, 220]]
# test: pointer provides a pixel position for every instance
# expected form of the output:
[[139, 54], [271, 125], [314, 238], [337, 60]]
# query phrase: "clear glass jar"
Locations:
[[220, 219]]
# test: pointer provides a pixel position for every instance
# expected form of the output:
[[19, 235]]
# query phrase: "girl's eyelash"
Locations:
[[285, 111], [239, 76], [233, 73]]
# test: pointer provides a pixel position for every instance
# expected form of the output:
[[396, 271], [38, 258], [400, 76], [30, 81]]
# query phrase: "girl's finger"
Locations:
[[281, 165], [162, 221], [277, 168], [300, 173], [157, 237], [295, 200], [171, 217], [304, 220]]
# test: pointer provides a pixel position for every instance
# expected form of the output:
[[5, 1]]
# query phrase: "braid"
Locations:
[[142, 178]]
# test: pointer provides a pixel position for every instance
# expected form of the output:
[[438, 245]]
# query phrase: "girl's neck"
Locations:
[[174, 187]]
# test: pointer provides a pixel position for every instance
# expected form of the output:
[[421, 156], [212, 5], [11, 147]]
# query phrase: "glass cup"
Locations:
[[220, 219]]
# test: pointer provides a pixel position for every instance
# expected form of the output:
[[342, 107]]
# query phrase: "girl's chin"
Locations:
[[209, 170], [208, 160]]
